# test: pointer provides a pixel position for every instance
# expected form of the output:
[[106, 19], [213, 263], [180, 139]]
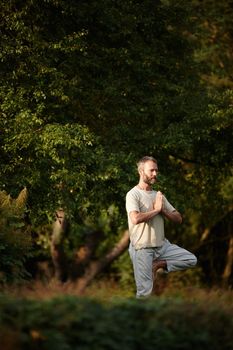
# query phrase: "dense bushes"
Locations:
[[15, 238], [76, 323]]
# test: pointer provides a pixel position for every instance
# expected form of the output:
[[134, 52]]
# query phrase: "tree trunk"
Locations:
[[56, 247], [83, 255], [96, 267], [229, 264]]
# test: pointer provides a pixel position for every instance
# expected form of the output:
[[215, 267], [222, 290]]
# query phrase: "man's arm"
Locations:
[[138, 217], [174, 216]]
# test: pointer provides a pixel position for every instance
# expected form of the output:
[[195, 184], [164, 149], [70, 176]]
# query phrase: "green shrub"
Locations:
[[67, 323], [15, 238]]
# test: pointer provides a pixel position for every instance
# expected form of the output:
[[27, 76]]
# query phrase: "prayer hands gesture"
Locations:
[[158, 204]]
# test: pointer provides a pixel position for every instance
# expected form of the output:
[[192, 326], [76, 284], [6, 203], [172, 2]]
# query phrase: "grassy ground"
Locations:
[[107, 290]]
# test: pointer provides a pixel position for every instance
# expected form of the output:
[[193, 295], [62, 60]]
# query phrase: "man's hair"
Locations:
[[145, 159]]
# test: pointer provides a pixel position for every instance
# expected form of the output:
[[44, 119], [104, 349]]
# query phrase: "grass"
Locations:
[[107, 290]]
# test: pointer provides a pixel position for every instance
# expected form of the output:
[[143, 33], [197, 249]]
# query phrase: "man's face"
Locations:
[[149, 173]]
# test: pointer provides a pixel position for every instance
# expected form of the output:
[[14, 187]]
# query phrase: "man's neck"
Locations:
[[144, 186]]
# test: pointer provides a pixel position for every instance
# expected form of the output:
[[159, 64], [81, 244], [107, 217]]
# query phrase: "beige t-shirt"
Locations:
[[150, 233]]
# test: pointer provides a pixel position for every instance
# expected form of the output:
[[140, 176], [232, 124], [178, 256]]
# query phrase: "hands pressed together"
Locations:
[[158, 204], [174, 216]]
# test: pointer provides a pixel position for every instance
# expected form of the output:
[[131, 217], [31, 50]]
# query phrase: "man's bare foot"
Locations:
[[159, 269]]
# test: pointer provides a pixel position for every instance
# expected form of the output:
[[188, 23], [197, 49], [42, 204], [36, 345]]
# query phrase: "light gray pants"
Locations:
[[177, 258]]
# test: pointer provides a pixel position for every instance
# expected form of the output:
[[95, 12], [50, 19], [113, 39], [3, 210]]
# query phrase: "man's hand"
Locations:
[[158, 204]]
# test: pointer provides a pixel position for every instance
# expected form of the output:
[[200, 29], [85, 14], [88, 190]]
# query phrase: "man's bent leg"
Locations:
[[177, 258]]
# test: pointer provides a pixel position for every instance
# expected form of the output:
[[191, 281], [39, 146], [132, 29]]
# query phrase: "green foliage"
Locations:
[[72, 323], [214, 33], [95, 72], [15, 238]]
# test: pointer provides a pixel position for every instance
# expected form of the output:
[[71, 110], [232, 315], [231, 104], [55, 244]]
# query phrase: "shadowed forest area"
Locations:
[[88, 88]]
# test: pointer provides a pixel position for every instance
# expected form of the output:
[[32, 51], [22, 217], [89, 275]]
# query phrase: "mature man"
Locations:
[[149, 249]]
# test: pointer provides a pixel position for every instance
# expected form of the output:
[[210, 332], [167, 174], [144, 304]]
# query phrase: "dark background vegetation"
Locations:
[[87, 88]]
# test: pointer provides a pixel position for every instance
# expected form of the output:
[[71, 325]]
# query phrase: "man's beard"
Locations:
[[148, 180]]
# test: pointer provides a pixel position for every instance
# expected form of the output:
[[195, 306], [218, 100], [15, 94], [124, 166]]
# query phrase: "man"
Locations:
[[149, 250]]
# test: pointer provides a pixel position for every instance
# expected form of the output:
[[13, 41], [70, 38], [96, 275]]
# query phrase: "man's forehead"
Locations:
[[150, 165]]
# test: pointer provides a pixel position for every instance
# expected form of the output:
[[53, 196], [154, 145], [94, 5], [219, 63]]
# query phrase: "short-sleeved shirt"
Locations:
[[146, 234]]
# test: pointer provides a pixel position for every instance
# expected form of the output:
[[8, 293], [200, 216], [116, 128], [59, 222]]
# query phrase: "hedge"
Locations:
[[70, 322]]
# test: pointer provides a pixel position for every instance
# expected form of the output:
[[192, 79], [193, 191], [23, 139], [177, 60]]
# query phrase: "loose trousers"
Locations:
[[177, 258]]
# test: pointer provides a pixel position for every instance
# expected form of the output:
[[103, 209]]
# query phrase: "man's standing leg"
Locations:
[[142, 264]]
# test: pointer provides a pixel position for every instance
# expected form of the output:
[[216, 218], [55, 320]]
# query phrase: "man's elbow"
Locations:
[[179, 219], [135, 220]]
